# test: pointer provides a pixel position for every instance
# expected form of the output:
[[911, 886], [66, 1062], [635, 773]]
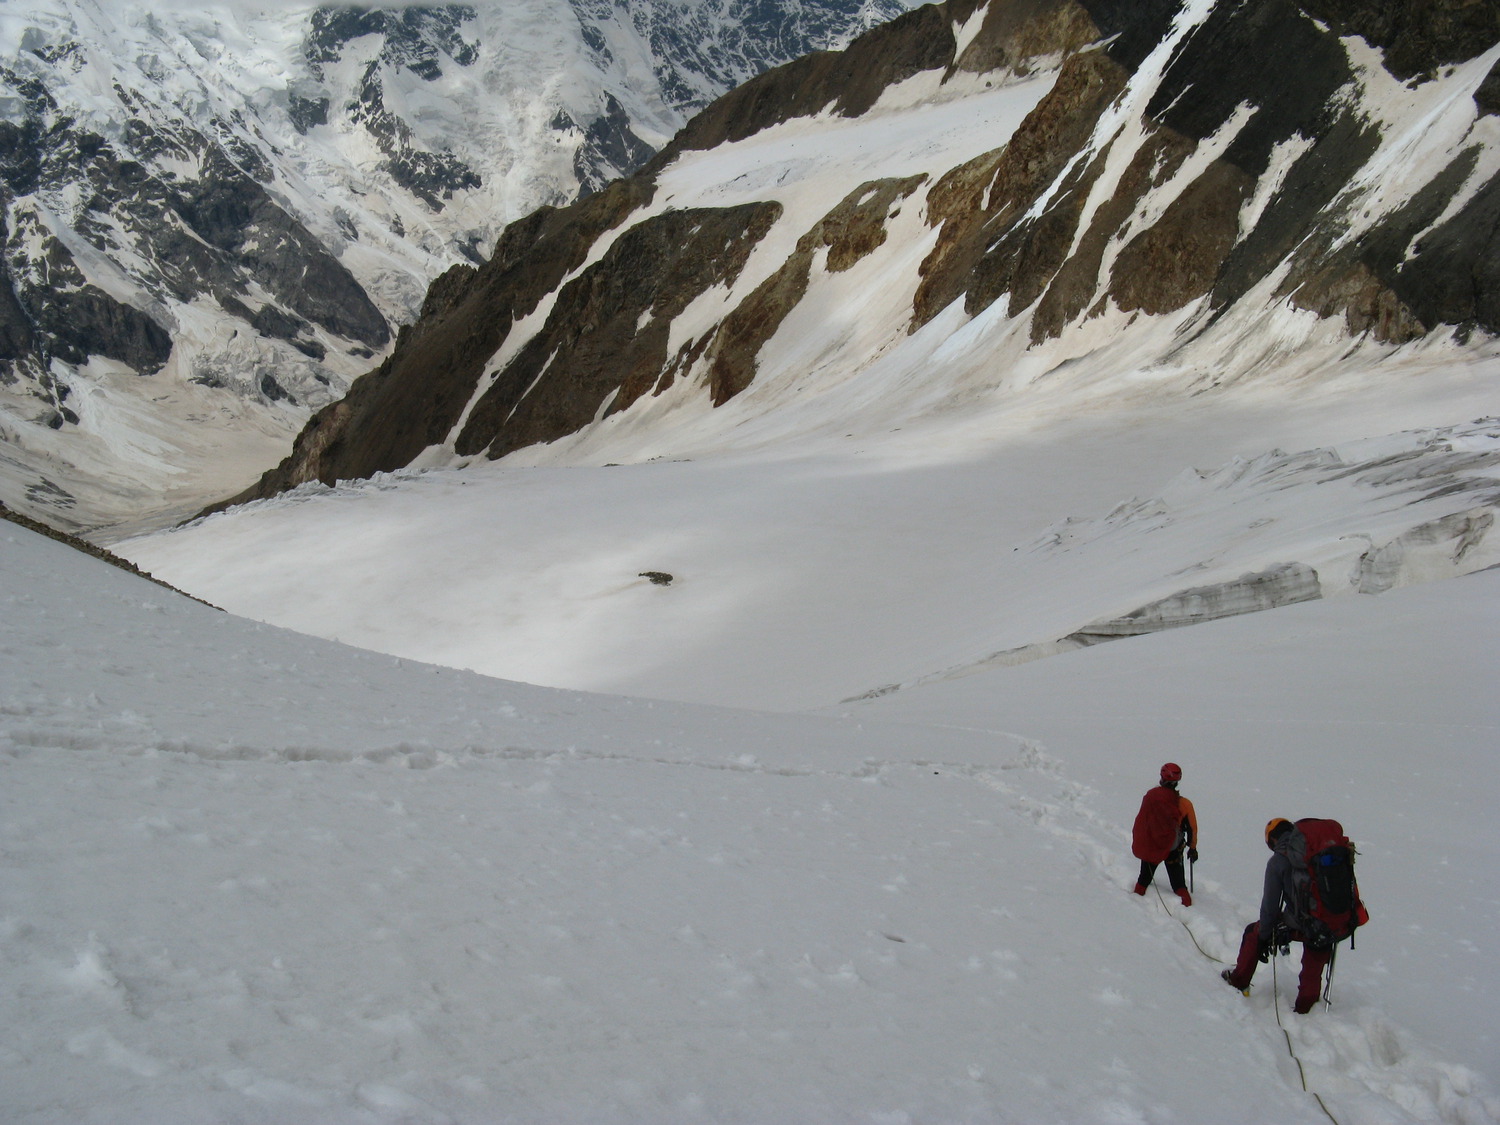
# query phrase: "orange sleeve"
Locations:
[[1192, 818]]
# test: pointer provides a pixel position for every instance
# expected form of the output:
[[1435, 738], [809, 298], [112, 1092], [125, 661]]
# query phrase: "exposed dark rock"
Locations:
[[1487, 96], [850, 80], [231, 213], [273, 390], [412, 36], [605, 342], [18, 341], [307, 113], [1417, 36], [981, 252], [1073, 287], [313, 350], [48, 310], [88, 321], [415, 397], [609, 150], [1453, 275], [433, 177], [220, 234], [1373, 281], [851, 231], [1016, 33], [272, 321], [1021, 255], [1352, 290], [1178, 258], [1132, 28], [1269, 54], [20, 155], [1033, 224]]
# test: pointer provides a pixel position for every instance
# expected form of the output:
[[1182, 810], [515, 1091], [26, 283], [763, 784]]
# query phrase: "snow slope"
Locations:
[[252, 876], [817, 572]]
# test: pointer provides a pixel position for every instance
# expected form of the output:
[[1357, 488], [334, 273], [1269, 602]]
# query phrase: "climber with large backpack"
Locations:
[[1310, 895], [1165, 829]]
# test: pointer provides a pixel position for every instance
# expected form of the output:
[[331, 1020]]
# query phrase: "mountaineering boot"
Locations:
[[1187, 899], [1140, 888], [1227, 976]]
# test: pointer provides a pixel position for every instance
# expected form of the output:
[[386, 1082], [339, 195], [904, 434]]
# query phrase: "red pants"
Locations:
[[1309, 981]]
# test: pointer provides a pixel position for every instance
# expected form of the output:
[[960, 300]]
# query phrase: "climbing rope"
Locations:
[[1276, 1003], [1185, 926], [1275, 999]]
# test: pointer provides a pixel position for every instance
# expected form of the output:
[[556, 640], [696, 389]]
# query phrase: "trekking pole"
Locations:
[[1192, 867], [1328, 984]]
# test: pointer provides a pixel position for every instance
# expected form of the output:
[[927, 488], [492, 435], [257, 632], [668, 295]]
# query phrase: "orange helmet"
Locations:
[[1276, 827]]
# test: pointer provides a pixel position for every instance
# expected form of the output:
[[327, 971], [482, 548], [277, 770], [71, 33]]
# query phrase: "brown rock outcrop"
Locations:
[[605, 342], [984, 250], [1176, 260], [850, 232]]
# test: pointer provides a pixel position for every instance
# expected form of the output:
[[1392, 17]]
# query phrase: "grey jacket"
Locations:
[[1286, 870]]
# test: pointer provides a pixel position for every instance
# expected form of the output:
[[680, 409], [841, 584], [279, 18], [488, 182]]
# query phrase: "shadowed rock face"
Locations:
[[1060, 223], [1416, 38], [414, 398], [48, 309], [850, 80], [215, 237], [605, 342]]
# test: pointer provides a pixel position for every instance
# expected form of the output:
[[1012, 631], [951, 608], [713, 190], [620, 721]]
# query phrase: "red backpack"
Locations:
[[1329, 903]]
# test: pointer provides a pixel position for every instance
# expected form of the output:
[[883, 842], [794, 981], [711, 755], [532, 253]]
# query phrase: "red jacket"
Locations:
[[1158, 825]]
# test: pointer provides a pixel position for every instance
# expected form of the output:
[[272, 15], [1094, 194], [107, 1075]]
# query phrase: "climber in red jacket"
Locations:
[[1165, 828]]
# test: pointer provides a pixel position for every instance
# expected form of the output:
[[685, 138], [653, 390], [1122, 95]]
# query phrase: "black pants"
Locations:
[[1175, 874]]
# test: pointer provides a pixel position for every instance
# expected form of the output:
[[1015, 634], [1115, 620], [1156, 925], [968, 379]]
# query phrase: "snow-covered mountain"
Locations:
[[215, 214], [1215, 271], [990, 194]]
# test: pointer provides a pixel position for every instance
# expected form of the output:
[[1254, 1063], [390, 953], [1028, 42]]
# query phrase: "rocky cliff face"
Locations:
[[1183, 174], [212, 221]]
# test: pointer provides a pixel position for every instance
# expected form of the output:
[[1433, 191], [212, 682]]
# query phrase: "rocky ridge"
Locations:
[[1193, 163]]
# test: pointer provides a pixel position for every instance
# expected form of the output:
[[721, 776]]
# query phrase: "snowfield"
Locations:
[[832, 826], [252, 876]]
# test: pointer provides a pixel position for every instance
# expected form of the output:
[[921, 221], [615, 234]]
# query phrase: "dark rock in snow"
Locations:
[[609, 150], [605, 342], [1417, 36]]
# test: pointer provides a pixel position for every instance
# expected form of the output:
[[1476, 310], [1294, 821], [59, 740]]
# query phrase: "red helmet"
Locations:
[[1171, 772]]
